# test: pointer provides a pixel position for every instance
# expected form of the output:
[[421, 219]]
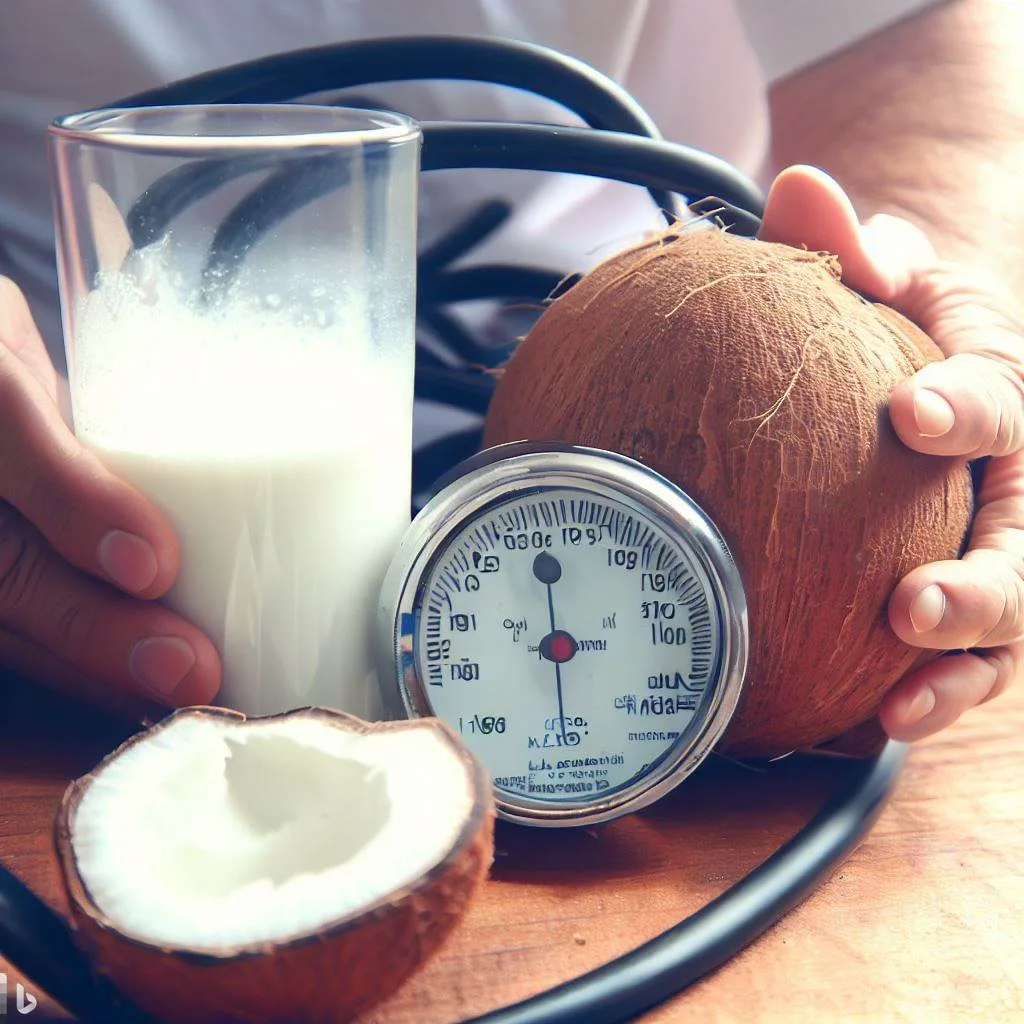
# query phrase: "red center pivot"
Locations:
[[558, 646]]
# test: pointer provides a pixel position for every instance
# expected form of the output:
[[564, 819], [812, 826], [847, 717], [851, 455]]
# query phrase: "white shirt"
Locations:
[[700, 67]]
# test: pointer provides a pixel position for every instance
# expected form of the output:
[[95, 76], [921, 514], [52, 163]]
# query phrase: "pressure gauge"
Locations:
[[576, 618]]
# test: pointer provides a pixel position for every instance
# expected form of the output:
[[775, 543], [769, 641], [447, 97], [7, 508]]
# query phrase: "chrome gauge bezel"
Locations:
[[521, 469]]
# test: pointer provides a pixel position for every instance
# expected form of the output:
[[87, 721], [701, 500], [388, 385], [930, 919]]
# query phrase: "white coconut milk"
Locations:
[[279, 449]]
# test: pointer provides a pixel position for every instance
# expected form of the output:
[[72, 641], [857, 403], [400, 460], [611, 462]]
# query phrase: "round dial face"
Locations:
[[571, 639]]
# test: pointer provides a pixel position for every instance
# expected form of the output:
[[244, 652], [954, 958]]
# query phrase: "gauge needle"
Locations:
[[558, 646]]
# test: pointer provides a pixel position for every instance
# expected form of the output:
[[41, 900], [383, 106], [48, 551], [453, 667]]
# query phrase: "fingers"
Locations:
[[137, 647], [972, 404], [936, 695], [61, 509], [89, 516], [969, 405], [976, 602], [25, 659]]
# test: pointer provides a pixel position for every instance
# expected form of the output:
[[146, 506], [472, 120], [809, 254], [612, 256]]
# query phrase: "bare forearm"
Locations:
[[925, 120]]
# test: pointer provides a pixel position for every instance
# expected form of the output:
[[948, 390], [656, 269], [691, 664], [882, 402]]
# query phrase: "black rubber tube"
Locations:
[[605, 154], [594, 97], [465, 236]]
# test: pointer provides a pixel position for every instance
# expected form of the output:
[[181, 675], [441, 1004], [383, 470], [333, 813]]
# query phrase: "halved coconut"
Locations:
[[292, 868]]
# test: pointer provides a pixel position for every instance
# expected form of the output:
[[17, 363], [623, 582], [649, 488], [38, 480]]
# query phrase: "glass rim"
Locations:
[[121, 128]]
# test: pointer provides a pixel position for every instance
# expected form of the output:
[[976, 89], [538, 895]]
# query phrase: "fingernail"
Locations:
[[927, 609], [932, 413], [128, 561], [160, 663], [921, 706]]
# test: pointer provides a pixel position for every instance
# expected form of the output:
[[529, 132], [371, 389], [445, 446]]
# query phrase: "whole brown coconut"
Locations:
[[745, 372]]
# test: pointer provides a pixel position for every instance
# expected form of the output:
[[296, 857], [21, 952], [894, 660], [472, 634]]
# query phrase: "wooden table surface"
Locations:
[[924, 922]]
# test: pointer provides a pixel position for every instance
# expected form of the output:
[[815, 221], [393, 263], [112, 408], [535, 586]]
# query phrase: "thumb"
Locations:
[[806, 208]]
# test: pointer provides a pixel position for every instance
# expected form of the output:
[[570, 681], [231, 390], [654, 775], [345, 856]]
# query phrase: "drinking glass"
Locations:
[[238, 299]]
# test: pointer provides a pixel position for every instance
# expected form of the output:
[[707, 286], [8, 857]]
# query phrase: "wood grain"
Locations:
[[925, 922]]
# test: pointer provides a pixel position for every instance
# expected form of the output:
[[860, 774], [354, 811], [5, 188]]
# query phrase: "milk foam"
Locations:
[[154, 371]]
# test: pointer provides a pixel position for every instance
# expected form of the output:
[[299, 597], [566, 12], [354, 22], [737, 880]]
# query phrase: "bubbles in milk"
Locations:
[[157, 369]]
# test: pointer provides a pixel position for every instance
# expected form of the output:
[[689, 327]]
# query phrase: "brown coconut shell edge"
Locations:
[[328, 975]]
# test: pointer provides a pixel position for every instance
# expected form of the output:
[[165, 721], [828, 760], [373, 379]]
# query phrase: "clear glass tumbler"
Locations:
[[238, 299]]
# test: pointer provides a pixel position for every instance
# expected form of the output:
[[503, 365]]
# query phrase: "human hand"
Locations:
[[972, 405], [82, 554]]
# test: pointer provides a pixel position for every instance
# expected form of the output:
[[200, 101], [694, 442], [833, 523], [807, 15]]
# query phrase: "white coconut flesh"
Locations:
[[215, 833]]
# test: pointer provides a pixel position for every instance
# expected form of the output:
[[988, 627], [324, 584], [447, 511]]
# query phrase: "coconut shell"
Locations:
[[324, 977], [747, 374]]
